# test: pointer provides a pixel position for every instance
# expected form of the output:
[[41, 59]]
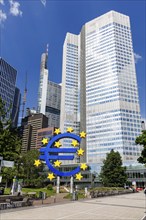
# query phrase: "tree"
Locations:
[[32, 175], [112, 172], [142, 141], [8, 174], [10, 142]]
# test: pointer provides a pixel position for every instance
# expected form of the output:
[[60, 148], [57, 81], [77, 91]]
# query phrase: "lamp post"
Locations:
[[58, 184], [71, 184], [1, 159]]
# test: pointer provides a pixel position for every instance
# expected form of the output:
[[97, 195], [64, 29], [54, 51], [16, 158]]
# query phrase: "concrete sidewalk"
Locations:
[[124, 207]]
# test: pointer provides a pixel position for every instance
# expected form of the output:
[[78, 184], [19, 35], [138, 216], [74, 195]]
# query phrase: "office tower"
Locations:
[[8, 92], [99, 88], [42, 94], [70, 95], [16, 107], [49, 95], [7, 84], [32, 124], [53, 104]]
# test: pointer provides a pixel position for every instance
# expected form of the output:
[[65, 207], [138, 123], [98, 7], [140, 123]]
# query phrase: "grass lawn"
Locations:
[[48, 192], [7, 191], [26, 190]]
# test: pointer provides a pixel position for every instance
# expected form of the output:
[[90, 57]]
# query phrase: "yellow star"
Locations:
[[82, 134], [45, 141], [57, 163], [57, 131], [37, 163], [83, 166], [80, 152], [70, 129], [50, 176], [75, 143], [57, 144], [79, 176]]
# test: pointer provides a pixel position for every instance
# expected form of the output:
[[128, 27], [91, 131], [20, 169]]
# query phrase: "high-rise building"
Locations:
[[16, 107], [70, 96], [8, 92], [32, 123], [53, 104], [99, 88], [42, 94], [49, 95]]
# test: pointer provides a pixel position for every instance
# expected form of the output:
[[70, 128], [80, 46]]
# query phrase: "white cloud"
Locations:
[[137, 57], [15, 8], [2, 2], [43, 2], [3, 16]]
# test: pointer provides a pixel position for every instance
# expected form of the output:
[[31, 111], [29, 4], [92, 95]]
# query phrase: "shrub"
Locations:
[[49, 187]]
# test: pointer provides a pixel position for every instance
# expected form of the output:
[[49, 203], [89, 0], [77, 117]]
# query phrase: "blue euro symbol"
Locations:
[[45, 153]]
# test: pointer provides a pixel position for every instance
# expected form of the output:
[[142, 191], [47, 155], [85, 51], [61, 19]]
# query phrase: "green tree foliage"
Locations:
[[10, 145], [10, 149], [142, 141], [10, 142], [112, 172], [8, 174], [32, 175]]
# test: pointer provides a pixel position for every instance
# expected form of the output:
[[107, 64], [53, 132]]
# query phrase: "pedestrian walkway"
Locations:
[[122, 207]]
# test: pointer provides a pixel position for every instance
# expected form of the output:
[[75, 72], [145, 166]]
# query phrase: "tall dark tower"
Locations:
[[7, 84], [24, 96]]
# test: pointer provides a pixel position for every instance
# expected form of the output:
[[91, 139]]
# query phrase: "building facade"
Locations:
[[42, 94], [98, 64], [16, 107], [52, 110], [137, 175], [49, 95], [7, 87], [31, 125], [70, 96]]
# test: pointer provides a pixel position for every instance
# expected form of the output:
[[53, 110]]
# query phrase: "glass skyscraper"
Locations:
[[53, 104], [48, 95], [106, 103], [16, 107], [42, 94], [8, 92], [70, 98]]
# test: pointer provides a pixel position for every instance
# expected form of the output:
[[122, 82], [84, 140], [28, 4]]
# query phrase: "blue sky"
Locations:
[[28, 25]]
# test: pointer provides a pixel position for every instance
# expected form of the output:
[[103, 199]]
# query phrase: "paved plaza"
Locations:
[[124, 207]]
